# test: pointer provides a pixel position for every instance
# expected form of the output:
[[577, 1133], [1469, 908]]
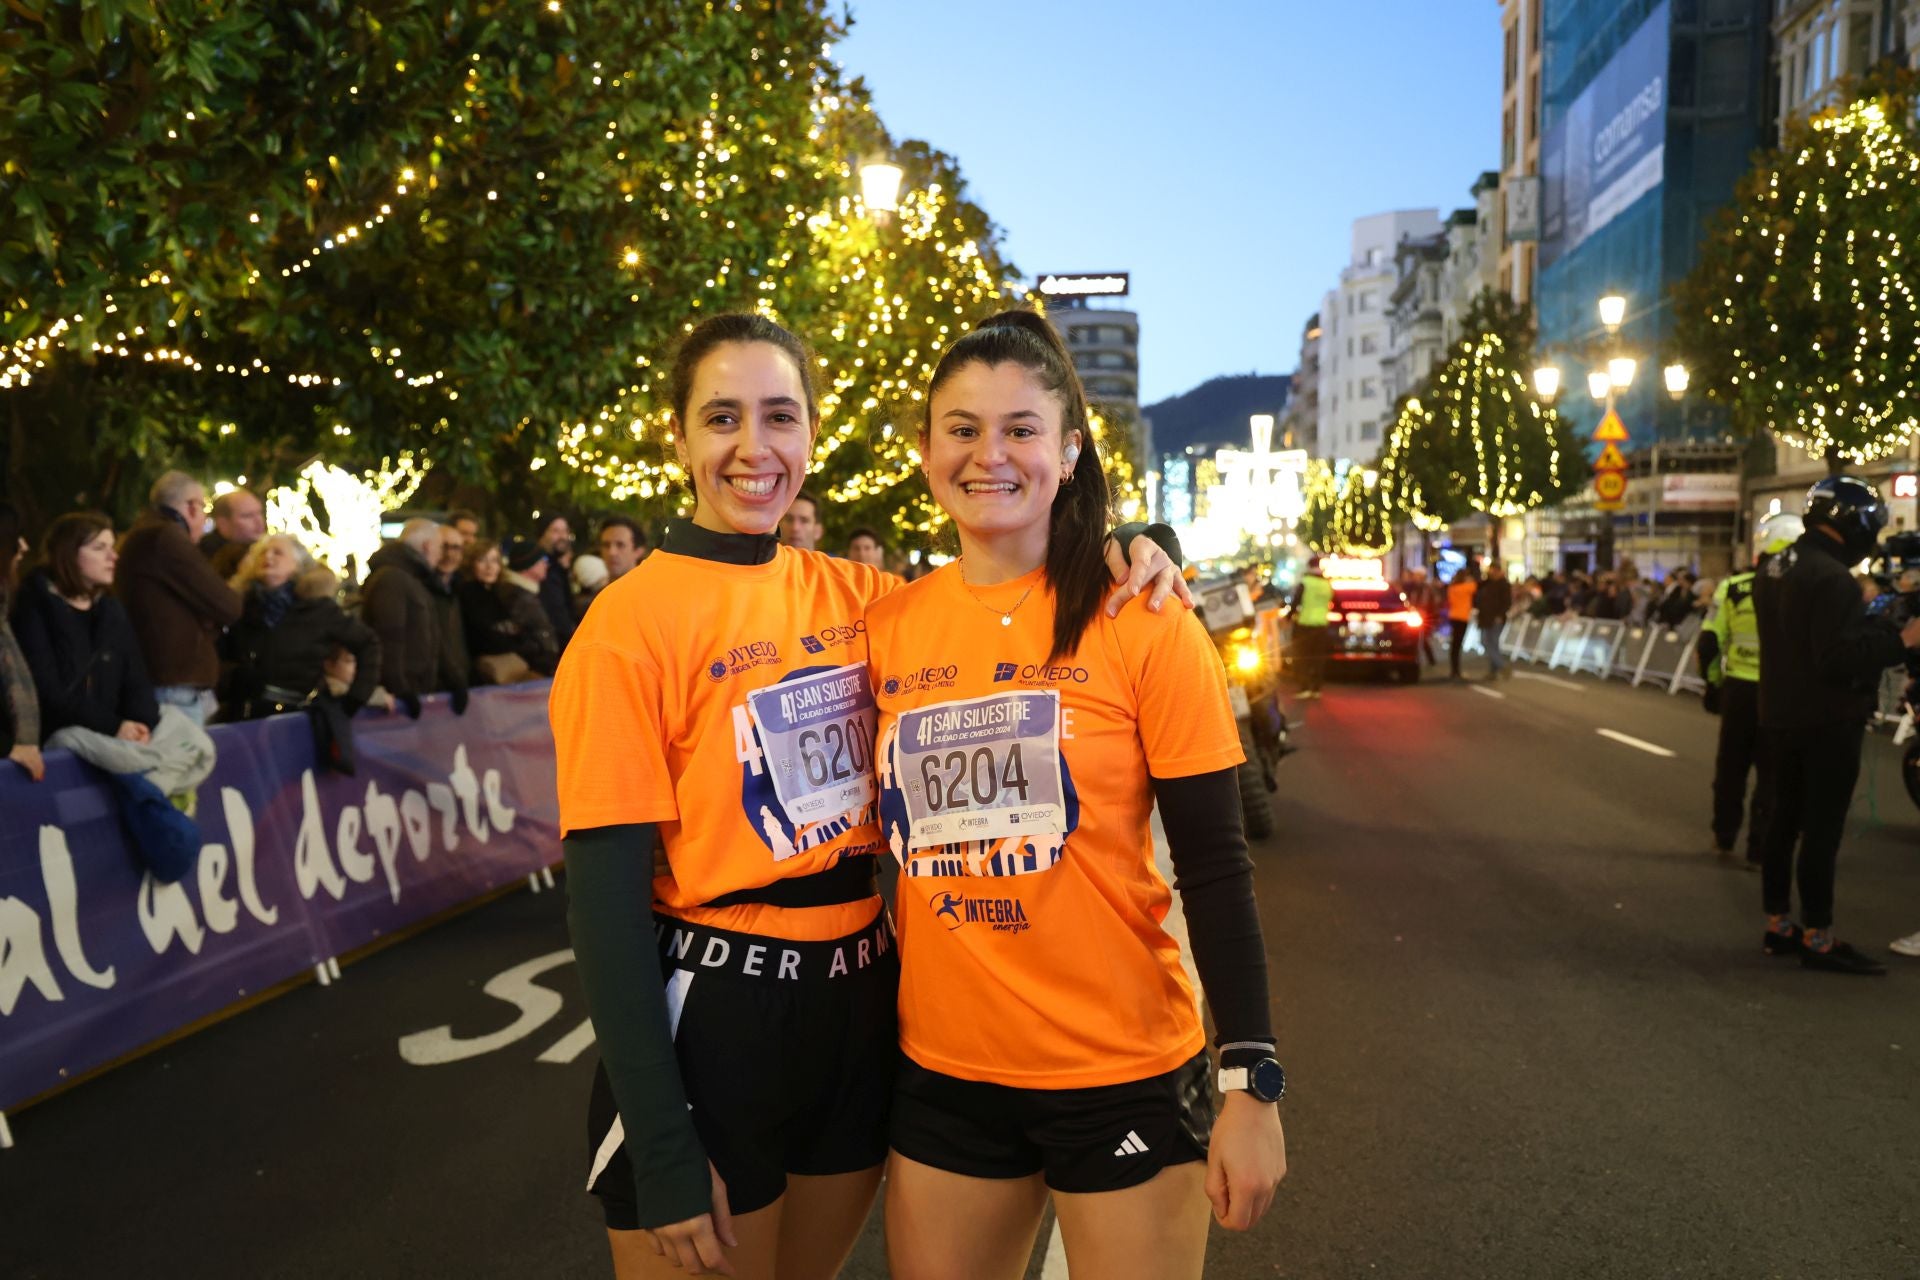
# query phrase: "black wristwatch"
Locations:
[[1264, 1078]]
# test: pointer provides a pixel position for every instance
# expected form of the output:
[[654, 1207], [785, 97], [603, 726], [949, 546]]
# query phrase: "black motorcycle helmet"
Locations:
[[1851, 508]]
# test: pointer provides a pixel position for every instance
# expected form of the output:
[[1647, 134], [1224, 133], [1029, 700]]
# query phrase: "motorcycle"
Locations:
[[1253, 686]]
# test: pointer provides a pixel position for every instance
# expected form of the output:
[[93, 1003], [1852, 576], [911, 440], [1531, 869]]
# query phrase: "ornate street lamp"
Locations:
[[1546, 381], [880, 188], [1677, 380], [1613, 311]]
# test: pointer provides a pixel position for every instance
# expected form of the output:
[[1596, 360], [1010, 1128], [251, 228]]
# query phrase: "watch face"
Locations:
[[1267, 1081]]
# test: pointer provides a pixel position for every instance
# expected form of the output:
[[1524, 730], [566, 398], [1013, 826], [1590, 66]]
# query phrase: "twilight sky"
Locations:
[[1217, 149]]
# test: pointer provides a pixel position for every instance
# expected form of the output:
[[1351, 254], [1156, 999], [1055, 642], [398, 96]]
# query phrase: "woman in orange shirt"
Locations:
[[714, 729], [1049, 1033]]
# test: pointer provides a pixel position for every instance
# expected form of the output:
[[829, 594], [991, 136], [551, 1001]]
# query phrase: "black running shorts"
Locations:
[[1084, 1140], [787, 1051]]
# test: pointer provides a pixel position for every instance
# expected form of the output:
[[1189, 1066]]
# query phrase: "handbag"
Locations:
[[502, 668]]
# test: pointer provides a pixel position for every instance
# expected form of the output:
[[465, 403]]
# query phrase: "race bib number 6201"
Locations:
[[981, 768], [818, 734]]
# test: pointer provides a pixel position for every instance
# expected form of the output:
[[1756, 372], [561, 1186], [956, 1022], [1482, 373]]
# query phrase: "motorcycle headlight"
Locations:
[[1246, 658]]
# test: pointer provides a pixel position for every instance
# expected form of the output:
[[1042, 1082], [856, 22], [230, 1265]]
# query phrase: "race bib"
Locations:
[[982, 768], [817, 733]]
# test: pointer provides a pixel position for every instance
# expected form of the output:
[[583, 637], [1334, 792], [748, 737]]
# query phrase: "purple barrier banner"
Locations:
[[297, 865]]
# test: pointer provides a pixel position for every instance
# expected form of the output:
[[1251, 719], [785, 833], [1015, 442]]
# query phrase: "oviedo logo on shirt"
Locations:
[[1001, 915], [923, 678], [1037, 673], [830, 636], [743, 657]]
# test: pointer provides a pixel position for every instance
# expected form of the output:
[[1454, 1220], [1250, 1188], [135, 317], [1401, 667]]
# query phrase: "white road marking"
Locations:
[[571, 1045], [1554, 680], [1636, 743], [1491, 693]]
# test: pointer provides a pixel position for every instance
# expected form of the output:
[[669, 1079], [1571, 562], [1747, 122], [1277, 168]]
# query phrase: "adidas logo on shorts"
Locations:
[[1133, 1146]]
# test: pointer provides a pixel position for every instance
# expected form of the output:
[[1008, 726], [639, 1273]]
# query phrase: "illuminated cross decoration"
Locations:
[[1260, 490]]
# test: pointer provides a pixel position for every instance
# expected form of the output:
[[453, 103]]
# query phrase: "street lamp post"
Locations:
[[1604, 384]]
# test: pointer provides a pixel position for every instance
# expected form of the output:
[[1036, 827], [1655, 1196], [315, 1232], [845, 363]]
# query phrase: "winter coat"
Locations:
[[178, 604], [505, 618], [86, 663], [289, 655], [1821, 653], [556, 598], [454, 656], [400, 601], [1493, 600]]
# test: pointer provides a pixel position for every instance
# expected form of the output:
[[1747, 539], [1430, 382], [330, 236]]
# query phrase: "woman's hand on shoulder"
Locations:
[[1245, 1161], [1151, 567]]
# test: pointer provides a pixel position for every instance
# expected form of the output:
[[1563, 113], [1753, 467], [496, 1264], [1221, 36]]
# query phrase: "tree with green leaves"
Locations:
[[235, 235], [1474, 437], [1800, 316]]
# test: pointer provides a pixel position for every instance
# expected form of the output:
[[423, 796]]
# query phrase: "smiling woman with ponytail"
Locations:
[[1050, 1038]]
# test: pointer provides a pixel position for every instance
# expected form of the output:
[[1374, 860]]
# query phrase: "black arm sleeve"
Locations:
[[1214, 878], [1162, 534], [610, 914]]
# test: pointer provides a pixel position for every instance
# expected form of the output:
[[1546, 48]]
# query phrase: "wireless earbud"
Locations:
[[1072, 454]]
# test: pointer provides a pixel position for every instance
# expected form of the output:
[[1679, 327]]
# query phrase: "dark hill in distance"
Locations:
[[1215, 413]]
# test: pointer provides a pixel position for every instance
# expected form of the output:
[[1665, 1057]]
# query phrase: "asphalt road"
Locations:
[[1528, 1030]]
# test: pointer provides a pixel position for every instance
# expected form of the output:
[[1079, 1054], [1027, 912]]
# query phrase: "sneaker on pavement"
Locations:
[[1781, 944], [1907, 946], [1841, 958]]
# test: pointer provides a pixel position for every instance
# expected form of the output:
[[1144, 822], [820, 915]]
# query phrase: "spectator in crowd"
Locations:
[[1676, 604], [590, 577], [864, 547], [1869, 587], [1492, 602], [466, 522], [19, 704], [556, 543], [291, 635], [800, 528], [85, 656], [401, 602], [1606, 600], [1460, 595], [178, 604], [1424, 600], [1579, 592], [239, 518], [623, 544], [1909, 580], [453, 629], [507, 630]]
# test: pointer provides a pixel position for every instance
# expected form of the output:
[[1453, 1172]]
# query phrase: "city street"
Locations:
[[1528, 1028]]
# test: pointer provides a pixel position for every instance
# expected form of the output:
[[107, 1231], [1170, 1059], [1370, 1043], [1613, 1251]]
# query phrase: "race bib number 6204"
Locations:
[[981, 768], [818, 734]]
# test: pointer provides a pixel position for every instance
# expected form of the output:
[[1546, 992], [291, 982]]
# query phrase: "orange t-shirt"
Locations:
[[1033, 953], [1460, 598], [729, 705]]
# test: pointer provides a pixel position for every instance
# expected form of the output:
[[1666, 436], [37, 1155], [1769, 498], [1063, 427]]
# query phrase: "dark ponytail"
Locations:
[[1077, 528]]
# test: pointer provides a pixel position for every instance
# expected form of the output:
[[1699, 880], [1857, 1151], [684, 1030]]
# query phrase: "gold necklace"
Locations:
[[1006, 616]]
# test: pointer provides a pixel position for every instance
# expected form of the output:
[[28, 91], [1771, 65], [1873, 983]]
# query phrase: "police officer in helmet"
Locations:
[[1821, 658], [1730, 660]]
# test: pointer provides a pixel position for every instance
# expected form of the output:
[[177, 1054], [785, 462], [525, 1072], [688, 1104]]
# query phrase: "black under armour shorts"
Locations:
[[1106, 1138], [787, 1052]]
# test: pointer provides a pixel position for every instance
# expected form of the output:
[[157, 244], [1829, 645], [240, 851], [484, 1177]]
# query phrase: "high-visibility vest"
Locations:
[[1733, 623], [1316, 597]]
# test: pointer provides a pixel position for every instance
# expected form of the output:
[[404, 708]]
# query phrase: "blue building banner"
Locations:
[[298, 865], [1609, 148]]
